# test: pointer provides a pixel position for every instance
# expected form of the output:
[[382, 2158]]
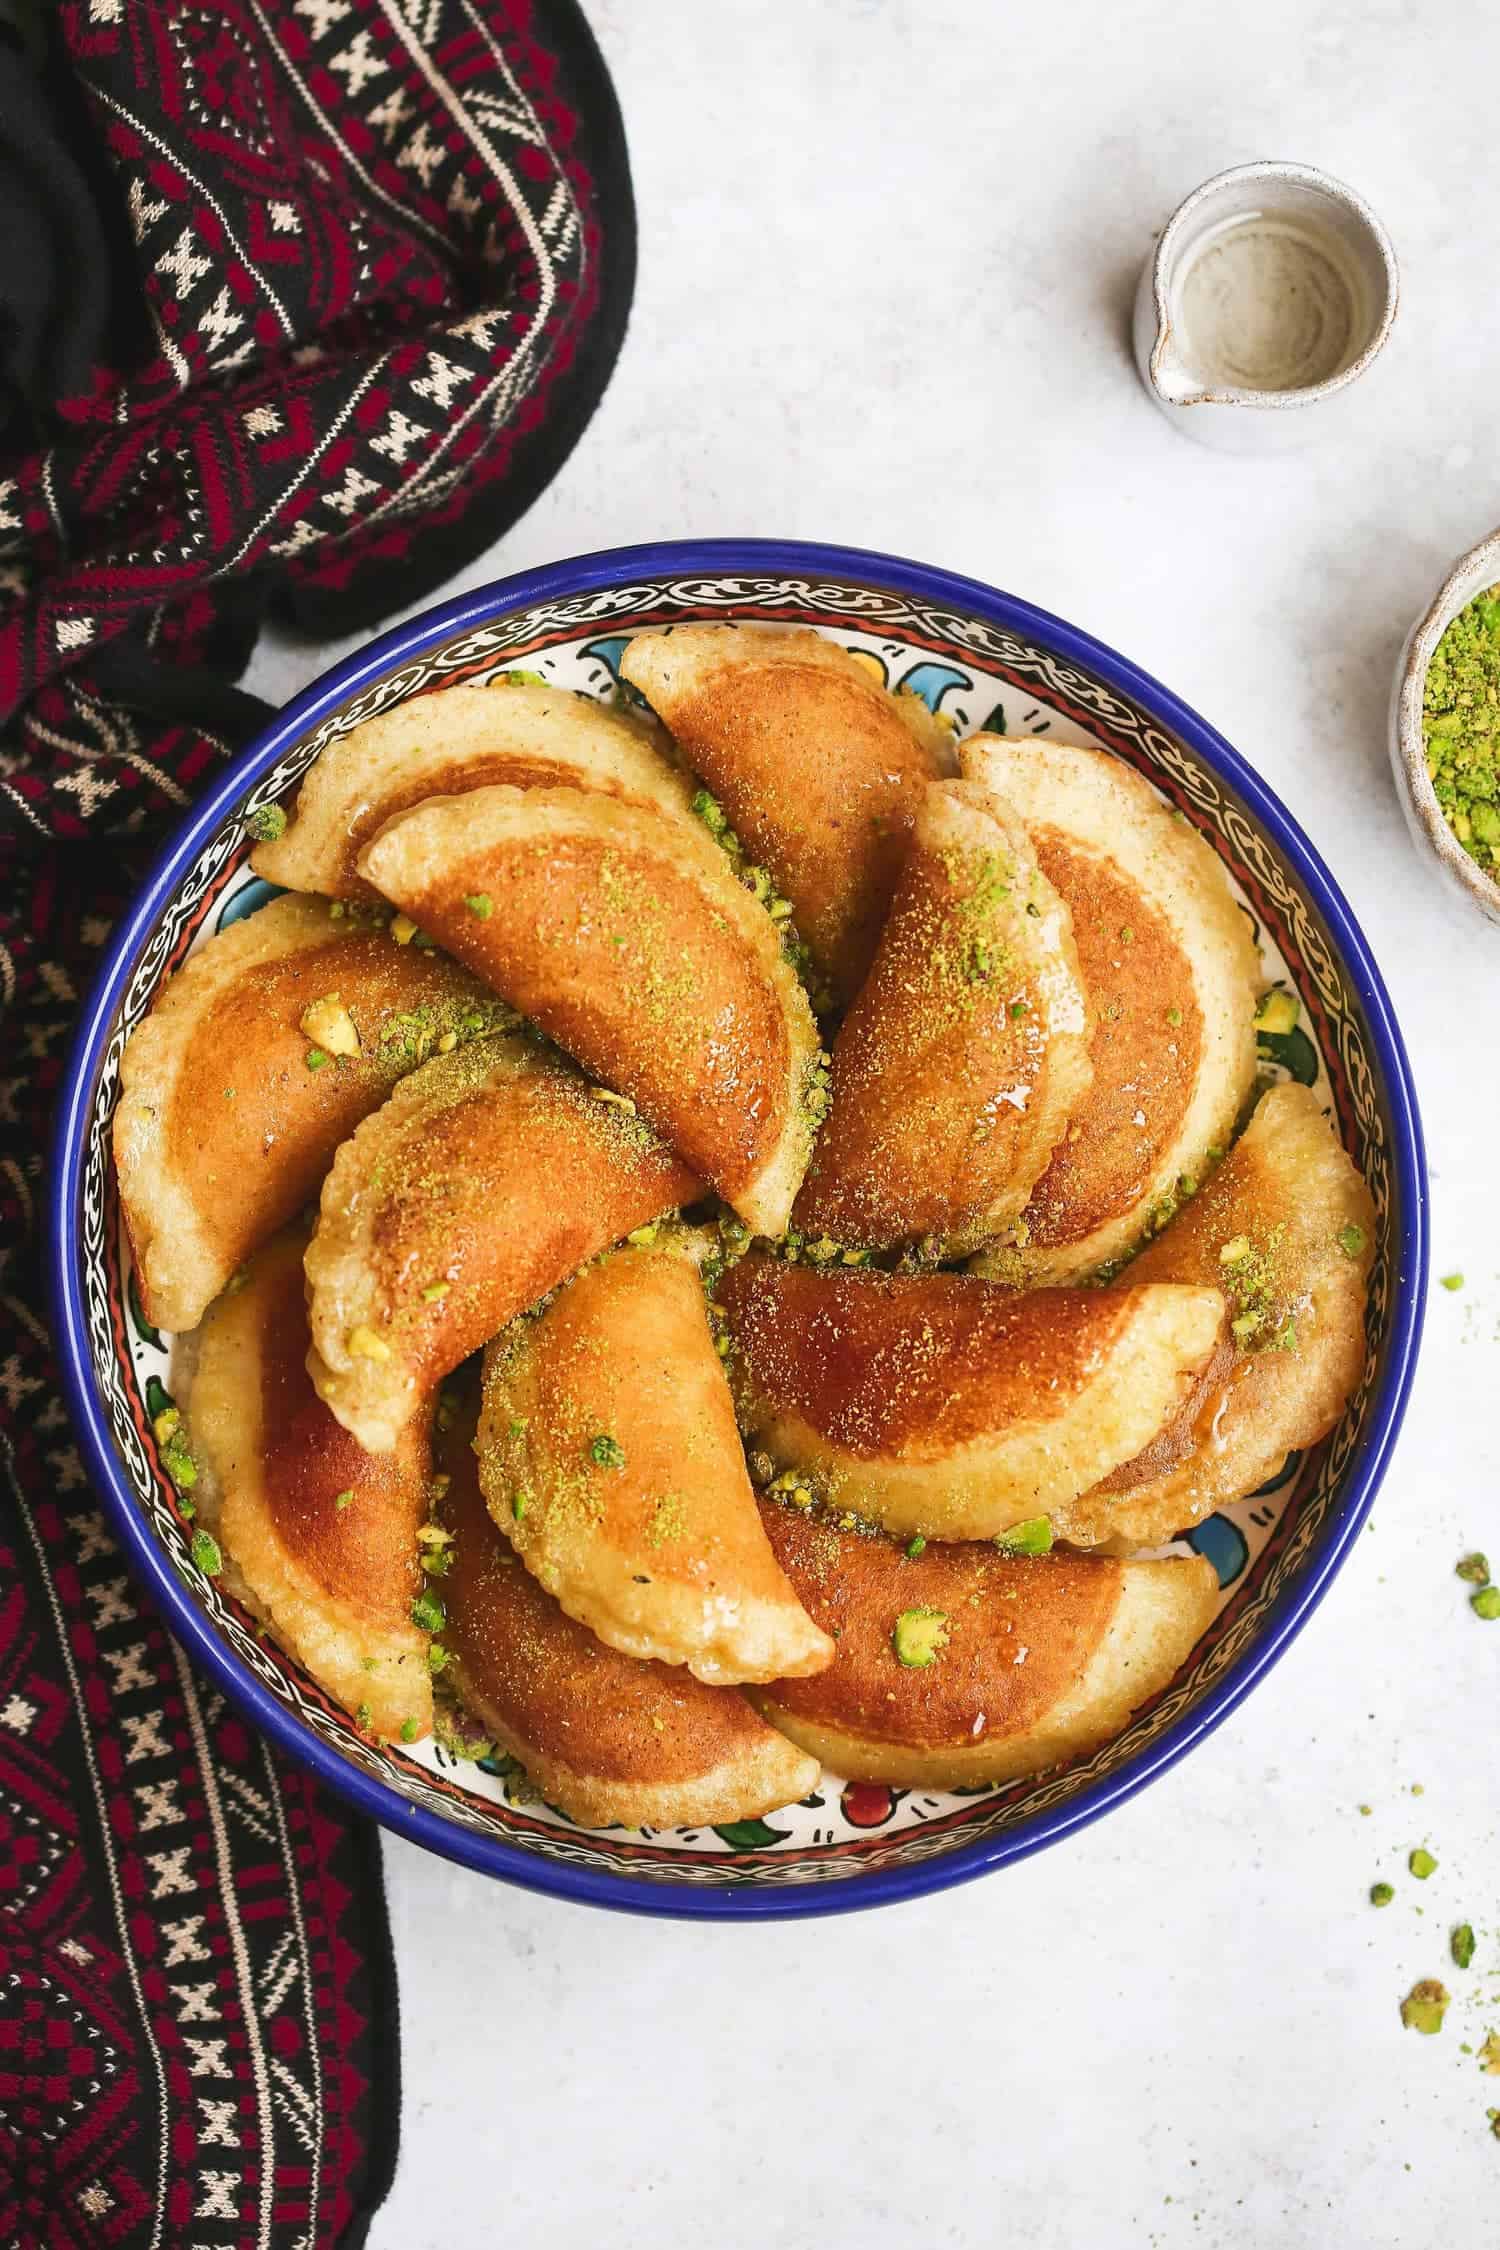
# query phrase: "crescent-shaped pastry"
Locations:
[[321, 1538], [489, 1175], [1171, 972], [605, 1737], [963, 1665], [609, 1456], [231, 1106], [942, 1404], [443, 744], [1286, 1228], [819, 770], [957, 1068], [626, 937]]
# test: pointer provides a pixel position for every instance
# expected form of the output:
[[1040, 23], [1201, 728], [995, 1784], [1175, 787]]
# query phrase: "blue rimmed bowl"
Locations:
[[990, 661]]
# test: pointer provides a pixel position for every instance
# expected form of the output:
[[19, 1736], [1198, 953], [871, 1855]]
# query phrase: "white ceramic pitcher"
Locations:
[[1272, 290]]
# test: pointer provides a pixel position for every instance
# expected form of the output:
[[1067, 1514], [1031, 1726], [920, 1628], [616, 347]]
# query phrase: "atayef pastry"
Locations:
[[626, 937], [1170, 970], [609, 1456], [941, 1404], [488, 1176], [956, 1069], [260, 1055], [963, 1665], [819, 770], [605, 1737], [443, 744], [322, 1540], [1286, 1228]]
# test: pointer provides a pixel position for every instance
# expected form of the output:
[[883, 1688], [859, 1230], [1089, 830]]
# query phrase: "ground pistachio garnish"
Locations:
[[176, 1457], [1474, 1569], [206, 1554], [919, 1637], [266, 823], [1425, 2006], [758, 882], [1461, 727], [1247, 1275], [1461, 1944]]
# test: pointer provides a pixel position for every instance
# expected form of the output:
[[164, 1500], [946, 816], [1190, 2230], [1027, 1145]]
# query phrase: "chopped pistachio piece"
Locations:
[[266, 823], [1244, 1325], [1234, 1252], [362, 1717], [1351, 1239], [915, 1547], [1425, 2006], [363, 1343], [1489, 2055], [1422, 1863], [428, 1612], [169, 1420], [1381, 1894], [1034, 1537], [920, 1636], [1277, 1013], [1486, 1603], [437, 1657], [435, 1292], [607, 1452], [447, 1043], [1474, 1569], [519, 1505], [403, 929], [205, 1552], [408, 1730], [317, 1059], [480, 904], [344, 1499], [1452, 1281], [641, 1236], [329, 1024], [1461, 1944]]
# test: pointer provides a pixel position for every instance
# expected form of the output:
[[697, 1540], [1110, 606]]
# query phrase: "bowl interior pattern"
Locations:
[[985, 675]]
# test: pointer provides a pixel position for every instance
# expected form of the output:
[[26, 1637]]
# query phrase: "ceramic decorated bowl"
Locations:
[[1466, 884], [991, 661]]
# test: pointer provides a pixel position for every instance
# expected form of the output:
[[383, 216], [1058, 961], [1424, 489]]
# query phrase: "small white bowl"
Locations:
[[1470, 575]]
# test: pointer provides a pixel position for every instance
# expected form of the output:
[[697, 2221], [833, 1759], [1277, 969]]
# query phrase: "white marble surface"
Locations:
[[887, 252]]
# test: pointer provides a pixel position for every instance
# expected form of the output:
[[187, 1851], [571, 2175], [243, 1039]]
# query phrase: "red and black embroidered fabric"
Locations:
[[301, 303]]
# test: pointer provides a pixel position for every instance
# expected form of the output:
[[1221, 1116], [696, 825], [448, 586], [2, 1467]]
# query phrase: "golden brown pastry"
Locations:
[[230, 1108], [819, 770], [603, 1736], [941, 1404], [626, 937], [489, 1175], [443, 744], [609, 1456], [1171, 972], [957, 1068], [963, 1665], [321, 1539], [1286, 1228]]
